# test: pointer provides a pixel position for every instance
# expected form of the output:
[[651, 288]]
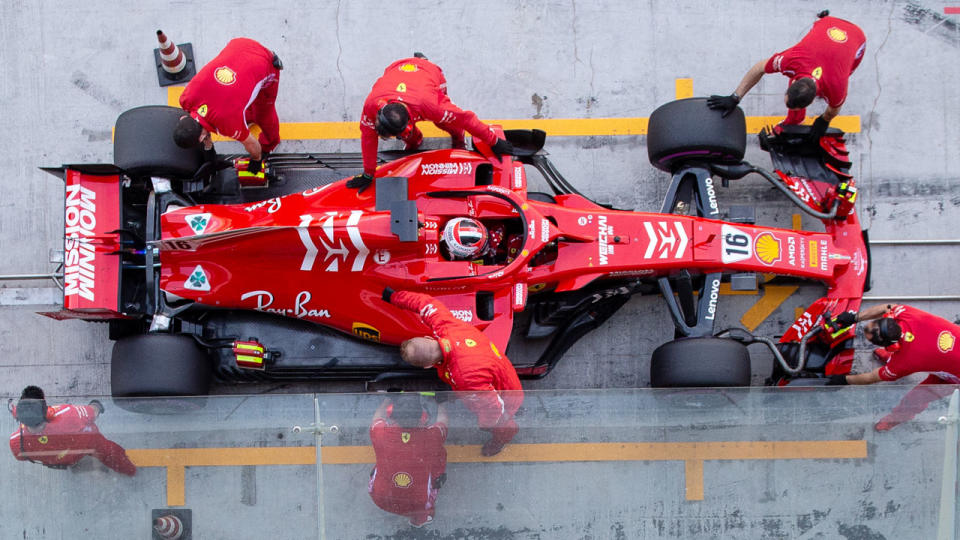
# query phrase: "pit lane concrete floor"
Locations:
[[69, 70]]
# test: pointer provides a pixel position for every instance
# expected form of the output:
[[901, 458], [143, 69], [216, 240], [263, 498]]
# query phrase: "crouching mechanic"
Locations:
[[467, 361], [820, 65], [412, 90], [237, 88], [60, 436], [910, 341], [411, 460]]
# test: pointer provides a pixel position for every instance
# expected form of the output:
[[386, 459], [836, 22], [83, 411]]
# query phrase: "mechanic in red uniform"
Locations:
[[911, 341], [237, 88], [819, 65], [60, 436], [467, 361], [411, 459], [412, 90]]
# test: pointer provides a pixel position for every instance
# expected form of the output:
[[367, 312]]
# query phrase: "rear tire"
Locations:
[[688, 130], [159, 365], [143, 144], [700, 362]]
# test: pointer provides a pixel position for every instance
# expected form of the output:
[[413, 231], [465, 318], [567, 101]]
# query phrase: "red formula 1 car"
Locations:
[[199, 275]]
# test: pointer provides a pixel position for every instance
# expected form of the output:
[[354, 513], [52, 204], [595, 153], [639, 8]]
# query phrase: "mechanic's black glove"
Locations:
[[818, 129], [440, 481], [502, 147], [210, 155], [839, 324], [845, 319], [360, 182], [95, 403], [724, 103], [387, 294], [255, 166], [835, 380]]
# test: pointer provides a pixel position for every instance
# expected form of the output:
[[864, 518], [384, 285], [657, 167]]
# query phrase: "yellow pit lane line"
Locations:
[[693, 454], [555, 127]]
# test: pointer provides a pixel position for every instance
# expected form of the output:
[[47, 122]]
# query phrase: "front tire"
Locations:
[[687, 130], [700, 362]]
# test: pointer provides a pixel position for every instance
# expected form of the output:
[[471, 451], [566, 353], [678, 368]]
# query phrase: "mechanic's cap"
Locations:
[[392, 120], [31, 410], [888, 332], [464, 237]]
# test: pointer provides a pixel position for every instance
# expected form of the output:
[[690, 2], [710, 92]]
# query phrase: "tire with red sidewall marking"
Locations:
[[687, 130], [700, 362]]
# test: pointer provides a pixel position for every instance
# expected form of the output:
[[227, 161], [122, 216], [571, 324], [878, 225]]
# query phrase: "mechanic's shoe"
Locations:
[[416, 522], [882, 354], [885, 425], [492, 447]]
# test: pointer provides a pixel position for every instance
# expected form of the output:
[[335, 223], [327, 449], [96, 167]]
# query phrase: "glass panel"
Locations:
[[730, 463], [232, 462]]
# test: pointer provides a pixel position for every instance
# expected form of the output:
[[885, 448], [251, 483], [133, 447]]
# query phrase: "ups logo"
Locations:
[[367, 332]]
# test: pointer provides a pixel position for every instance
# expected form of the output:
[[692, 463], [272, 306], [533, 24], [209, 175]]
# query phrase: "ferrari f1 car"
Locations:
[[199, 275]]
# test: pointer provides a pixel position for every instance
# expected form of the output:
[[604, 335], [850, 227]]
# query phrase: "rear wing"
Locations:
[[91, 242]]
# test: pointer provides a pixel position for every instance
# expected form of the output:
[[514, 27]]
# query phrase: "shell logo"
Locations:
[[817, 72], [836, 34], [225, 76], [946, 341], [768, 249], [470, 343], [409, 68], [402, 480]]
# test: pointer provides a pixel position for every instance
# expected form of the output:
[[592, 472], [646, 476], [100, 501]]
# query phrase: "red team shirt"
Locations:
[[929, 344], [236, 88], [471, 362], [421, 86], [69, 435], [829, 53], [409, 462]]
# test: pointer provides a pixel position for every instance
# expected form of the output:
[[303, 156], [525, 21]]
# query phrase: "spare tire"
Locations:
[[700, 362], [143, 144], [688, 130]]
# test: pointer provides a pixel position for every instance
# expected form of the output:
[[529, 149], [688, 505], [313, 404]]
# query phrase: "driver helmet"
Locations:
[[464, 237]]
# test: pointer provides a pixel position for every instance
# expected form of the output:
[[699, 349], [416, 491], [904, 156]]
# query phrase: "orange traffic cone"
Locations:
[[174, 63], [168, 527]]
